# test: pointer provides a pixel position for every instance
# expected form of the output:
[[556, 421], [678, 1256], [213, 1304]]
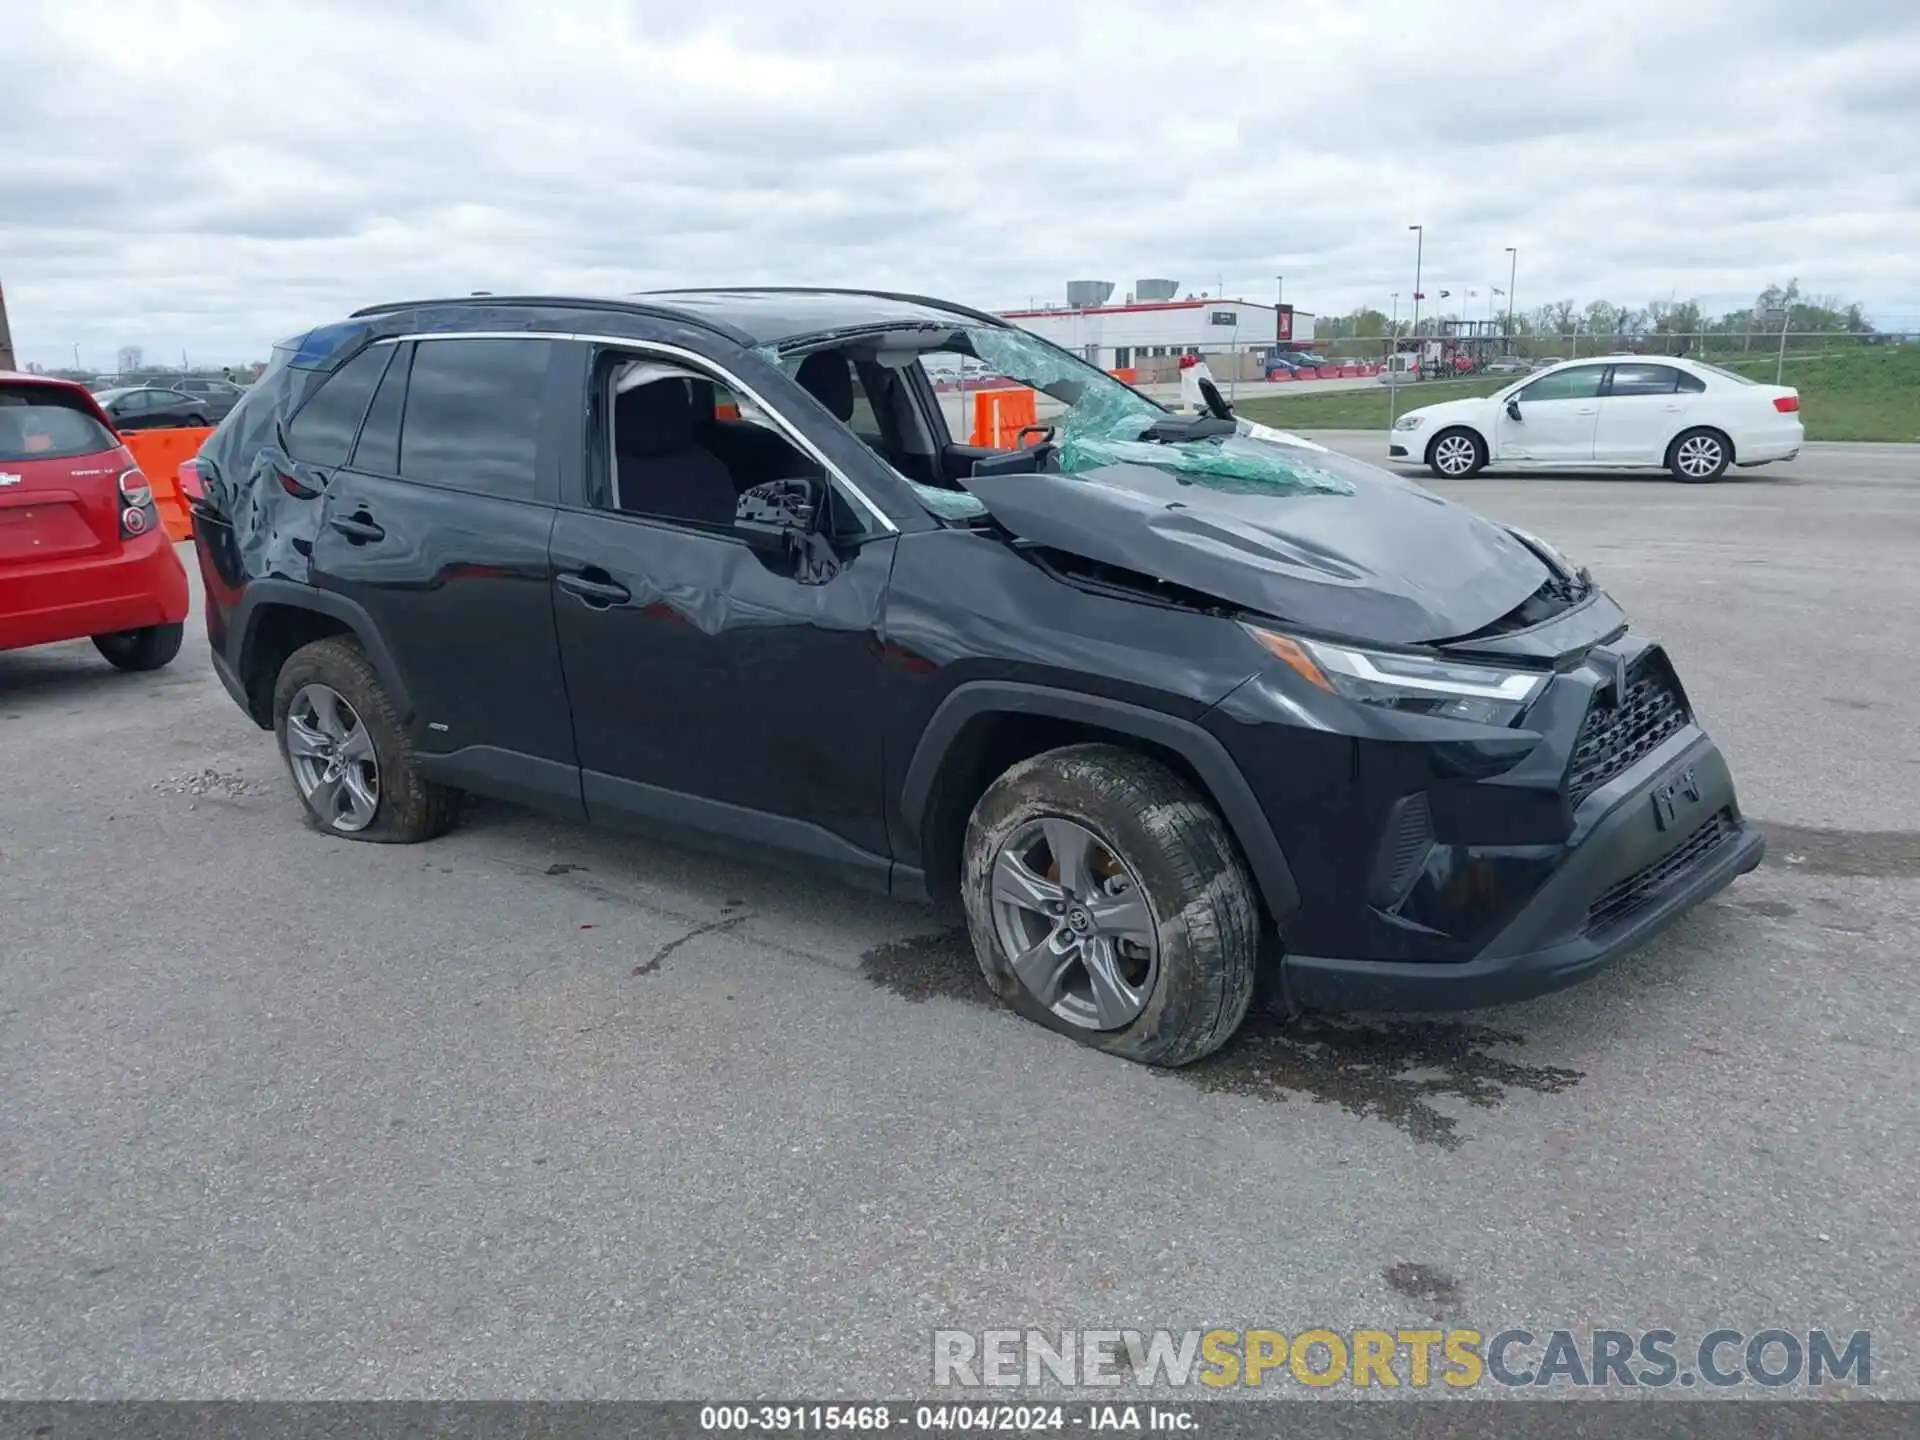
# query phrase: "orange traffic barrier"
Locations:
[[1125, 374], [999, 416], [159, 454]]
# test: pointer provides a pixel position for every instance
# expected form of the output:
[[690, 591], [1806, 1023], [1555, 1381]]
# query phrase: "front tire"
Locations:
[[1107, 901], [146, 649], [349, 754], [1698, 457], [1456, 454]]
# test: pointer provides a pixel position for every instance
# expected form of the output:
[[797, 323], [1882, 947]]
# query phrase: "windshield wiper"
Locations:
[[1177, 428]]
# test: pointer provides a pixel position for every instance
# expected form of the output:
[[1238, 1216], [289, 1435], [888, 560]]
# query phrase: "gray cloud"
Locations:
[[226, 174]]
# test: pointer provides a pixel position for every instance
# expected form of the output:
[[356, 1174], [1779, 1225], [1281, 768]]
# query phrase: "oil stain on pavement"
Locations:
[[1428, 1284], [1390, 1070], [928, 967], [1399, 1072]]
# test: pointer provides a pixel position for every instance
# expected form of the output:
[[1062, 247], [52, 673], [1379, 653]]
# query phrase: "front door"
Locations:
[[1557, 417], [714, 684]]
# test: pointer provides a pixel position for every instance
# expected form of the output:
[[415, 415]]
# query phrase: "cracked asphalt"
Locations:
[[539, 1111]]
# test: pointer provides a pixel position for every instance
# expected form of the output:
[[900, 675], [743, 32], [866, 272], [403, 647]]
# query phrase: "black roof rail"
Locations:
[[604, 304], [905, 297]]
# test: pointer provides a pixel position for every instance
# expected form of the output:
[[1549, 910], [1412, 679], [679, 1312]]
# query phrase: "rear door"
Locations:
[[1558, 414], [59, 474], [1642, 407], [435, 521]]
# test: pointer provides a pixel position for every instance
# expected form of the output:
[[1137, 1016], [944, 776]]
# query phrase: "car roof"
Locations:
[[27, 377], [762, 315]]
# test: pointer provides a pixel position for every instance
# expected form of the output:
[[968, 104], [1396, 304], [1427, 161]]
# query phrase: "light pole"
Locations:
[[1419, 249], [1513, 269]]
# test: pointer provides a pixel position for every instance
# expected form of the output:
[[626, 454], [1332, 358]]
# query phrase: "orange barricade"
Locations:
[[158, 453], [999, 416], [1125, 375]]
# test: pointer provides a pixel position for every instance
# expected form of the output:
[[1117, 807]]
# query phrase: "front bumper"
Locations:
[[1674, 838]]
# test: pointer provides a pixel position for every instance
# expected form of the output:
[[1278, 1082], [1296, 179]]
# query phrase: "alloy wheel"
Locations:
[[1698, 456], [1454, 455], [1074, 924], [333, 758]]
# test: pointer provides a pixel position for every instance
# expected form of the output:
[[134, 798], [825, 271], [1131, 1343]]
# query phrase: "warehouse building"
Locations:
[[1119, 337]]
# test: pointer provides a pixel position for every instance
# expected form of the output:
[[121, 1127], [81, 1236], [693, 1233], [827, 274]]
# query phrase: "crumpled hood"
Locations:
[[1390, 562]]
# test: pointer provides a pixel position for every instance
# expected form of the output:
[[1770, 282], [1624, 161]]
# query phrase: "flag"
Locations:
[[1498, 291], [1420, 296], [1472, 293], [1445, 293]]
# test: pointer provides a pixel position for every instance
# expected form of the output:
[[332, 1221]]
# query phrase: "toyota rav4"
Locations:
[[1161, 701]]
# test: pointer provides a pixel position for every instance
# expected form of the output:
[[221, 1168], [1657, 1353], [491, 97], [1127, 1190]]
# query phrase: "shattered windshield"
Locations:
[[1096, 420], [1105, 423]]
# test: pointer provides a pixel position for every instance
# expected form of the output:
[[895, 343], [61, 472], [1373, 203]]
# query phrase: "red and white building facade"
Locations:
[[1114, 337]]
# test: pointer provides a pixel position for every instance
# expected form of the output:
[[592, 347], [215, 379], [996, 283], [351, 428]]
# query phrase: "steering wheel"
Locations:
[[1045, 432]]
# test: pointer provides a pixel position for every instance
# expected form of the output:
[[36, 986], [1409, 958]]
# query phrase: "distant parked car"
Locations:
[[1278, 365], [148, 407], [1306, 358], [1548, 363], [1507, 365], [219, 396]]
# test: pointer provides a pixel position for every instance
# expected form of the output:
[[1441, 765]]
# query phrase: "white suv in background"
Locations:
[[1612, 412]]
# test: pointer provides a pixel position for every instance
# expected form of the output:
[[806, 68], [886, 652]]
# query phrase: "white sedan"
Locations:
[[1616, 412]]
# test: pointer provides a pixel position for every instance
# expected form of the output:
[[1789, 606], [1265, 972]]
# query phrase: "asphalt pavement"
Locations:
[[536, 1110]]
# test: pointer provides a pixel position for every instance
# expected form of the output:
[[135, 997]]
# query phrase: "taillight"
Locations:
[[1786, 404], [190, 483], [137, 515]]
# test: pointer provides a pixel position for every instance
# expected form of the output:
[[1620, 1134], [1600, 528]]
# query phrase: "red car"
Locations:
[[82, 550]]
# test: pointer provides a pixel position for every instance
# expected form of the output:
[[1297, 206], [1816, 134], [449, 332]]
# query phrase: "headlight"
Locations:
[[1410, 422], [1416, 684]]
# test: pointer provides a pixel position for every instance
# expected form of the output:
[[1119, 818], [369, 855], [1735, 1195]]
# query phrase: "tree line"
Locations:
[[1775, 308]]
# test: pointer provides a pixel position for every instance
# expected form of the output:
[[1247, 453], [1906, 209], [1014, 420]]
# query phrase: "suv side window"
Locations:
[[472, 418], [378, 449], [1643, 380], [1578, 382], [322, 431], [1691, 384]]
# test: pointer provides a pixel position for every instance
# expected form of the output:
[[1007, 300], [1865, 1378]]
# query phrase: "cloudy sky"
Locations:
[[211, 176]]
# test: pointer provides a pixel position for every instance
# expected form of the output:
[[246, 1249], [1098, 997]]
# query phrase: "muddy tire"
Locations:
[[348, 753], [1107, 901], [146, 649]]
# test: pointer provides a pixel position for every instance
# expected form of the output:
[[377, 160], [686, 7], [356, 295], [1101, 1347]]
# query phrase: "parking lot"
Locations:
[[536, 1110]]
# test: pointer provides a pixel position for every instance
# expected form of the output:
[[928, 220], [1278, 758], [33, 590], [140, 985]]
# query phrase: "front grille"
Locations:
[[1615, 737], [1621, 900]]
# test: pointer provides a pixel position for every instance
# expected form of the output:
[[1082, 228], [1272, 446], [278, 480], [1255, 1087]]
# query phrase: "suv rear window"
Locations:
[[45, 422]]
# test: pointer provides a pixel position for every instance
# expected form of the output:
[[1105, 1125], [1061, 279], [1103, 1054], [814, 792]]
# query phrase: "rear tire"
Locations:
[[146, 649], [399, 806], [1456, 454], [1698, 457], [1145, 941]]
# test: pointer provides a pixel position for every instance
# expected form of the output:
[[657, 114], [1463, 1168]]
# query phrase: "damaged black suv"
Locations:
[[1161, 700]]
